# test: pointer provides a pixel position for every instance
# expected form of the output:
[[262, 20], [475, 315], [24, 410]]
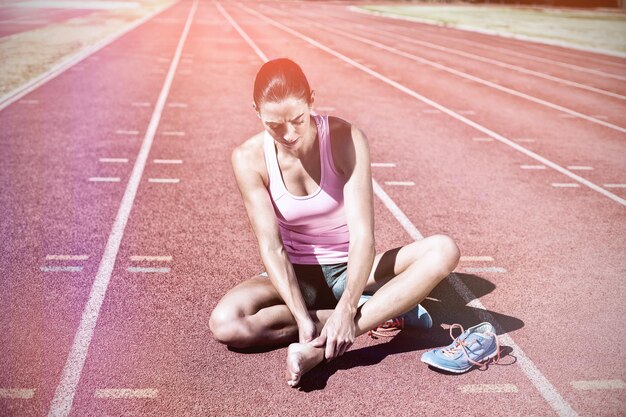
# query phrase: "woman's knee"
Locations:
[[445, 249], [229, 328]]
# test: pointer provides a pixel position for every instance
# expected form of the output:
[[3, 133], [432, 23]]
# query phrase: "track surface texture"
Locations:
[[121, 224]]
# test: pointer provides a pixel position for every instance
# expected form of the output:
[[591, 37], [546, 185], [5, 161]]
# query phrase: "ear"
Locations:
[[256, 109], [312, 99]]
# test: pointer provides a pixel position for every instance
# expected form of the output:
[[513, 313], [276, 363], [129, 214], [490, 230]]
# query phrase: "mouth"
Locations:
[[292, 143]]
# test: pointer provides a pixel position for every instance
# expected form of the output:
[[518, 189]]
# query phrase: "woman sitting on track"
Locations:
[[307, 188]]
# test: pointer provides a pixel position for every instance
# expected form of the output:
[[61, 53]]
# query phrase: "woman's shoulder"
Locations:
[[338, 127], [249, 155], [341, 130], [345, 139]]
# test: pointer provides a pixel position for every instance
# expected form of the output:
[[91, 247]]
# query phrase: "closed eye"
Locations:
[[297, 121]]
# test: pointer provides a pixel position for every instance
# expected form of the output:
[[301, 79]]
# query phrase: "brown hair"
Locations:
[[278, 79]]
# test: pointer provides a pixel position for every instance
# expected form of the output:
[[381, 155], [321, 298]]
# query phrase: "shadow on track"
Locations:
[[450, 309]]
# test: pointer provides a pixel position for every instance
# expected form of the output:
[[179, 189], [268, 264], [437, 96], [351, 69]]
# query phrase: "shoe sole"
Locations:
[[459, 371]]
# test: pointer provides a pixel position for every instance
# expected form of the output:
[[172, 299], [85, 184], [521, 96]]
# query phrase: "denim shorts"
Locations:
[[321, 285]]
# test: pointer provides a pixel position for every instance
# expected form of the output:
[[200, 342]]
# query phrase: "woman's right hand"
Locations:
[[306, 330]]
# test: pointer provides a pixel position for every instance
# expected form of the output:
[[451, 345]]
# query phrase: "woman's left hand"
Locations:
[[338, 334]]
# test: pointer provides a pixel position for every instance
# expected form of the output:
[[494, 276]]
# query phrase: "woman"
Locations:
[[307, 188]]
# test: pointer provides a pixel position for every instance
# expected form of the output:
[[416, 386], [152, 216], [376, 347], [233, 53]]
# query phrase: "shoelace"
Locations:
[[387, 328], [461, 345]]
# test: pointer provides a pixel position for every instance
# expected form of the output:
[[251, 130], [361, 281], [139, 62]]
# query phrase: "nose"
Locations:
[[290, 134]]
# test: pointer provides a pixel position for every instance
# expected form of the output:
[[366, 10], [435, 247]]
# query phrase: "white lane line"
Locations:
[[599, 384], [61, 268], [542, 384], [496, 269], [140, 104], [615, 185], [579, 168], [476, 259], [168, 161], [383, 164], [531, 41], [397, 213], [482, 139], [104, 179], [137, 269], [524, 140], [126, 393], [67, 257], [498, 63], [493, 84], [449, 112], [165, 258], [173, 133], [178, 105], [509, 51], [28, 101], [25, 22], [487, 388], [532, 166], [565, 185], [17, 393], [74, 59], [127, 132], [113, 160], [164, 180], [64, 395], [400, 183], [243, 34]]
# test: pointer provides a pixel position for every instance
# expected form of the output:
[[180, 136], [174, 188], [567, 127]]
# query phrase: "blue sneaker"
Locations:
[[474, 346], [418, 318]]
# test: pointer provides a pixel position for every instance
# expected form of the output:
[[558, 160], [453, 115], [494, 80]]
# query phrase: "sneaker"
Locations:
[[418, 318], [474, 346]]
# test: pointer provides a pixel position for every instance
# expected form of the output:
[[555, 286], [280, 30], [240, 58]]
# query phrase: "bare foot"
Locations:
[[301, 358]]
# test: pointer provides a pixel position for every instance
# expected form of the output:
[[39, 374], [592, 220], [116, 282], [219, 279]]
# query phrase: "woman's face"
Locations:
[[287, 121]]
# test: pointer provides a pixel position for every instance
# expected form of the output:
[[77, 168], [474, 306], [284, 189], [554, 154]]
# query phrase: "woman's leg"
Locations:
[[253, 314], [401, 278]]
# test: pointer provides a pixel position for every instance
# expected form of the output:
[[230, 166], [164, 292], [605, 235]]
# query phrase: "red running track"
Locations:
[[557, 300]]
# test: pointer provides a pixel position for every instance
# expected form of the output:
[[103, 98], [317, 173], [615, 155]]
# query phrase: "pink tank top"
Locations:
[[314, 228]]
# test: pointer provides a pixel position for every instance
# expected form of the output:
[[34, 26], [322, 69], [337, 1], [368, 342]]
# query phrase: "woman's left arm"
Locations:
[[339, 331], [359, 207]]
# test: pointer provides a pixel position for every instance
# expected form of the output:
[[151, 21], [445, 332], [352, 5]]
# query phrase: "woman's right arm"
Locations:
[[260, 211]]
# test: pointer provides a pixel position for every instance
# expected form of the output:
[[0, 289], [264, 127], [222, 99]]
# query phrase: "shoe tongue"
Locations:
[[473, 337]]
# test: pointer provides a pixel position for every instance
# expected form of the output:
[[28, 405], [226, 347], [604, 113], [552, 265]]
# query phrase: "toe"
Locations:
[[293, 381]]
